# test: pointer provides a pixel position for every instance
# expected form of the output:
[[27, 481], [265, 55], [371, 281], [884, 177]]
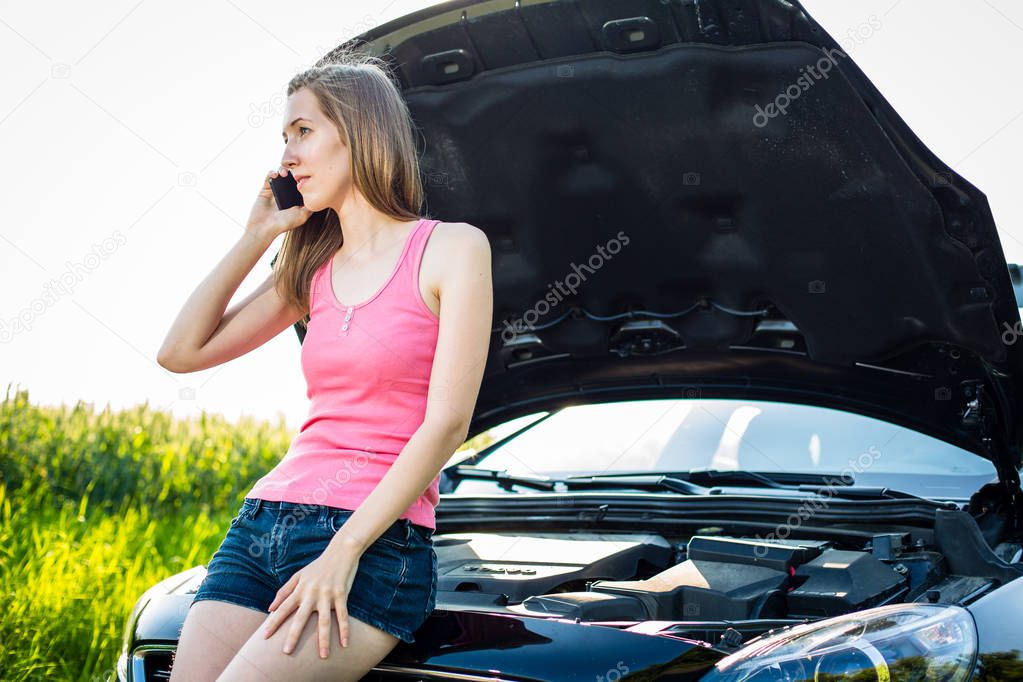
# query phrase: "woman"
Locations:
[[335, 542]]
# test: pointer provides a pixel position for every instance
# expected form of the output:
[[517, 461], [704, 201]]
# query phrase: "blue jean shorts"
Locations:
[[395, 586]]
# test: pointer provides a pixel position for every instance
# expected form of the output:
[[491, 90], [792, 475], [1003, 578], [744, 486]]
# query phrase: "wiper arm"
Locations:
[[461, 472], [700, 481], [653, 483], [838, 486], [736, 476], [876, 493], [656, 482], [709, 478]]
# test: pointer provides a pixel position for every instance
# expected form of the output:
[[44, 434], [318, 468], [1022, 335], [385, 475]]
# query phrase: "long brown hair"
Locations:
[[358, 94]]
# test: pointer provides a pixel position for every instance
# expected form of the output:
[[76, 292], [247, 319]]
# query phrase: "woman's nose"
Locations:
[[288, 159]]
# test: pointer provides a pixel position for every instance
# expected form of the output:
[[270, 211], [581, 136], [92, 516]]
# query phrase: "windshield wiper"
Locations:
[[819, 484], [460, 472], [875, 493], [709, 478], [506, 481], [649, 482], [697, 482], [844, 487], [688, 482]]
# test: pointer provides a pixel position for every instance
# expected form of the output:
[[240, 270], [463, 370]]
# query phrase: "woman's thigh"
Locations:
[[211, 636], [301, 536], [241, 570], [263, 658]]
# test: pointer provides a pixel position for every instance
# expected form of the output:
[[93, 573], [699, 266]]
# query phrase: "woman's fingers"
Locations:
[[283, 593], [283, 605], [297, 623], [323, 621], [341, 608], [280, 615]]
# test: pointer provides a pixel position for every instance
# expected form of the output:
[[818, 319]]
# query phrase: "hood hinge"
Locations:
[[977, 416]]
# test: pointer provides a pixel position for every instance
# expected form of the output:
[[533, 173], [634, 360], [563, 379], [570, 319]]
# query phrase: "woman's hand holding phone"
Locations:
[[266, 221]]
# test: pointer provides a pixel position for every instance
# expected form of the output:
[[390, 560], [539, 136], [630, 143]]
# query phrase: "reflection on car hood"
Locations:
[[706, 198]]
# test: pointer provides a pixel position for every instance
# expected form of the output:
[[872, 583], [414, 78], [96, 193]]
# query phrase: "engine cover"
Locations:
[[502, 568], [838, 582]]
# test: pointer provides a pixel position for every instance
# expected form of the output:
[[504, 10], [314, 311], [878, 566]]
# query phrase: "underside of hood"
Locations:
[[706, 198]]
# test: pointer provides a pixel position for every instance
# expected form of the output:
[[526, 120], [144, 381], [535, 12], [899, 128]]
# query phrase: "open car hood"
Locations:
[[668, 233]]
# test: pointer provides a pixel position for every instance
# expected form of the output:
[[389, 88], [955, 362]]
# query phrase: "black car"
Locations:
[[754, 363]]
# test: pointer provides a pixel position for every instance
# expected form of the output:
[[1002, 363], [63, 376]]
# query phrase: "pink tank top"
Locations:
[[367, 368]]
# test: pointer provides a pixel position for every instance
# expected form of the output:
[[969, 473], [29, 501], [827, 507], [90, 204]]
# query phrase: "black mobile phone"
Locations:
[[286, 192]]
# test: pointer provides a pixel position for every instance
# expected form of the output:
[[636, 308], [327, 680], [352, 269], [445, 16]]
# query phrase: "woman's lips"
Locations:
[[301, 181]]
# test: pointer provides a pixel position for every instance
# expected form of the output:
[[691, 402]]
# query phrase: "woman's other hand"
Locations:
[[321, 584]]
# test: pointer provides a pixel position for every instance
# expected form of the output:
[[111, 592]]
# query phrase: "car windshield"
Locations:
[[685, 434]]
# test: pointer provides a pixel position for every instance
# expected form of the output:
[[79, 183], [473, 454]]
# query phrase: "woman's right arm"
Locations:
[[203, 335]]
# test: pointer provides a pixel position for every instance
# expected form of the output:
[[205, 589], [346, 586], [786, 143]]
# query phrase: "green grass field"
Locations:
[[95, 507]]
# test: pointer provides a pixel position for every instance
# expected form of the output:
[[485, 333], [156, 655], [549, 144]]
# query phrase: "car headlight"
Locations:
[[897, 642]]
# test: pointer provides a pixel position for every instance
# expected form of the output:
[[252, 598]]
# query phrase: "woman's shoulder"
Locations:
[[452, 246], [458, 236], [451, 243]]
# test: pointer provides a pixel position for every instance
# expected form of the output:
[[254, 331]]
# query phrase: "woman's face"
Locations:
[[313, 148]]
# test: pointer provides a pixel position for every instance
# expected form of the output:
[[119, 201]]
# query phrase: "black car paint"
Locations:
[[499, 646]]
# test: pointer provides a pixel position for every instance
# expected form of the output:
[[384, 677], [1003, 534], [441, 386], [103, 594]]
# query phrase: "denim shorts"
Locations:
[[395, 587]]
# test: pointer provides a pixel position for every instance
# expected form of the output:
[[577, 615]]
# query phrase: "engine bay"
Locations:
[[620, 577]]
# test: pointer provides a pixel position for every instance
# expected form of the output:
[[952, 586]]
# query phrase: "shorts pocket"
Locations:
[[242, 514], [422, 533], [397, 534], [337, 518]]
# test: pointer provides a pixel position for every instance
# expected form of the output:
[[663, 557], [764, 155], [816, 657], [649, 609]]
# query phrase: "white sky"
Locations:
[[150, 125]]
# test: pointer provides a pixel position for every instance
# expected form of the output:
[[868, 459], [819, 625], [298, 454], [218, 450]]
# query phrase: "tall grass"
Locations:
[[135, 457], [95, 507]]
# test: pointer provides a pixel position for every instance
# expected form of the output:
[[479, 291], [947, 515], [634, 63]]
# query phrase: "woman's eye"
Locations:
[[300, 129]]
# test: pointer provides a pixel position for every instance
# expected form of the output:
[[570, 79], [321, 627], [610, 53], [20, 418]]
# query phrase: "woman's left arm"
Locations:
[[463, 339], [466, 297]]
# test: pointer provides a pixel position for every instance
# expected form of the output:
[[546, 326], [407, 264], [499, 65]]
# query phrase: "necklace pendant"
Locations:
[[344, 325]]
